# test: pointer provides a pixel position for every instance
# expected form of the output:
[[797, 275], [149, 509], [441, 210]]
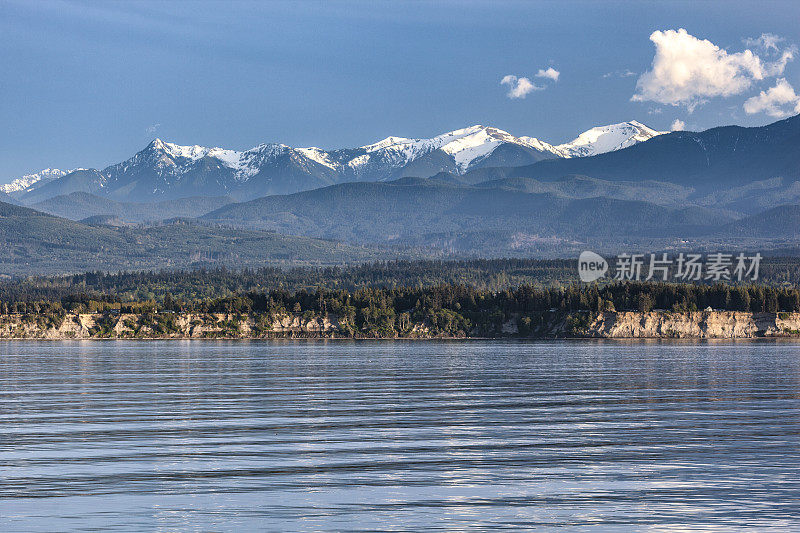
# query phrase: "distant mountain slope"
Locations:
[[659, 193], [714, 159], [82, 180], [103, 220], [167, 171], [753, 197], [38, 243], [8, 199], [411, 208], [779, 222], [81, 205]]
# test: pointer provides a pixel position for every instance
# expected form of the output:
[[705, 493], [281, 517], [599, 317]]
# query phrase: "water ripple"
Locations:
[[399, 436]]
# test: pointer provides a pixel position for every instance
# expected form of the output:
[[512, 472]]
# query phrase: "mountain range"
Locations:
[[164, 171], [472, 192]]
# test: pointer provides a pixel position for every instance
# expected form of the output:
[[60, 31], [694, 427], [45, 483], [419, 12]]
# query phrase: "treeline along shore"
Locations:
[[205, 284], [616, 310]]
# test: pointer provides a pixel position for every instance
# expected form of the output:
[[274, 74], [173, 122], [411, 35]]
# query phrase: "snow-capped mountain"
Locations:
[[28, 180], [604, 139], [165, 170], [465, 145]]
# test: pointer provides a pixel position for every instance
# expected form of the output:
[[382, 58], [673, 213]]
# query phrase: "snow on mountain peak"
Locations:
[[469, 144], [389, 142], [23, 183], [240, 162], [188, 152], [173, 150], [475, 142], [602, 139], [402, 150], [318, 156], [465, 145]]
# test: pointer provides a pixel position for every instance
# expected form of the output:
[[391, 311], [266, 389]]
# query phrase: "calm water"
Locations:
[[215, 436]]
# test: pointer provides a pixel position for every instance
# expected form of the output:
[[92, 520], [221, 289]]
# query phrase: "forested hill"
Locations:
[[37, 243]]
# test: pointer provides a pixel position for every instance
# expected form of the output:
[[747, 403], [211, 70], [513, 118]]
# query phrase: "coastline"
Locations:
[[254, 326]]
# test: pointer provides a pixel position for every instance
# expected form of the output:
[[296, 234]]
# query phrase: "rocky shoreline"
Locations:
[[610, 325], [694, 325]]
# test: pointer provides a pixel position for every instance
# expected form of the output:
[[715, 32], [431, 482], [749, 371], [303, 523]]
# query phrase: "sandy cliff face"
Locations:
[[657, 324], [700, 325], [165, 325]]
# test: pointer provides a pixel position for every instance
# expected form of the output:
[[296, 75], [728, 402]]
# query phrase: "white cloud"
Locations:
[[779, 101], [677, 125], [519, 87], [627, 73], [550, 73], [688, 71], [766, 41], [152, 129], [776, 68]]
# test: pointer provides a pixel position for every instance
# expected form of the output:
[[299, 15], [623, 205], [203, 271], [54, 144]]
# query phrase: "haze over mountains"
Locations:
[[472, 192]]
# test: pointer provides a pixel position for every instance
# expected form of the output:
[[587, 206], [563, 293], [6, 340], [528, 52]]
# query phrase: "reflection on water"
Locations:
[[399, 436]]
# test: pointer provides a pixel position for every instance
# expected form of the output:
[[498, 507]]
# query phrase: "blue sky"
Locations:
[[89, 84]]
